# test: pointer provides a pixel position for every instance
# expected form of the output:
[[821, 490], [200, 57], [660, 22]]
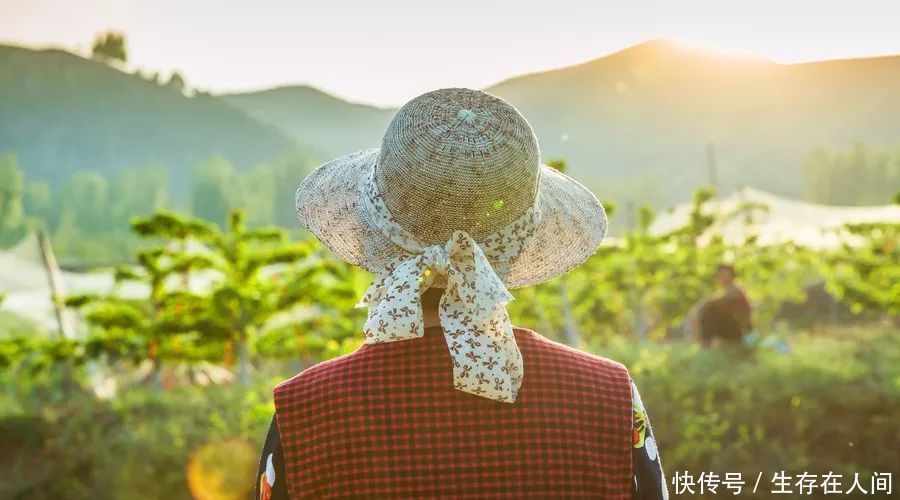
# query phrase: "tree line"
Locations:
[[88, 216], [860, 175]]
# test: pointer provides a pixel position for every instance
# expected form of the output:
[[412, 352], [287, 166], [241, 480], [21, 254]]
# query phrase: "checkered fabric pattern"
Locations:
[[385, 422]]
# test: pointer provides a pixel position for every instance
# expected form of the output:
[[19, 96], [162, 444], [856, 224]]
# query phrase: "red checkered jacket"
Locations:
[[385, 421]]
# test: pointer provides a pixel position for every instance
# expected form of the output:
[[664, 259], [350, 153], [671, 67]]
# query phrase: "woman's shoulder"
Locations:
[[317, 373], [536, 345]]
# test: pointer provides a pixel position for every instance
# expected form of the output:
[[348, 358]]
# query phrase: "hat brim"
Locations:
[[573, 222]]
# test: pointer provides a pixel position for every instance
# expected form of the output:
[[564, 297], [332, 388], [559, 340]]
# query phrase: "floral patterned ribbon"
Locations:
[[486, 359]]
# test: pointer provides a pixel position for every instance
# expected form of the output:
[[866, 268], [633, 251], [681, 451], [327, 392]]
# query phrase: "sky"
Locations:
[[386, 52]]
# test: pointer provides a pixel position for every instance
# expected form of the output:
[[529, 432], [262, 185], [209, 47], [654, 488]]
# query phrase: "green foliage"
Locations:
[[177, 82], [11, 193], [217, 188], [137, 191], [861, 176], [558, 165], [87, 196], [110, 46], [38, 203], [152, 327], [828, 404], [865, 273], [172, 226], [259, 281], [271, 298], [88, 218], [138, 445], [214, 190]]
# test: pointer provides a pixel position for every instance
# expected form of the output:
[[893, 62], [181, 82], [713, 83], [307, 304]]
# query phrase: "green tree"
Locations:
[[862, 175], [288, 174], [865, 272], [38, 203], [177, 82], [11, 191], [215, 190], [258, 195], [110, 46], [247, 291], [137, 192], [243, 301], [86, 196], [141, 328]]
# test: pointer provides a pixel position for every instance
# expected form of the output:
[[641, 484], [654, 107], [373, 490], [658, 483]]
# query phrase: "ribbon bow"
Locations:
[[486, 359]]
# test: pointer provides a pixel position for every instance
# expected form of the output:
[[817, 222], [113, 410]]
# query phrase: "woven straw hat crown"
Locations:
[[453, 160], [457, 159]]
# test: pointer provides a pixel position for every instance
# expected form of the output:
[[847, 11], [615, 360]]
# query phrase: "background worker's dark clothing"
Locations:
[[408, 434], [727, 316], [737, 303], [718, 322]]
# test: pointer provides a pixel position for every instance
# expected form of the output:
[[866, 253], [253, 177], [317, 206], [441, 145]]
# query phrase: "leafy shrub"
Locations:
[[828, 404], [137, 445]]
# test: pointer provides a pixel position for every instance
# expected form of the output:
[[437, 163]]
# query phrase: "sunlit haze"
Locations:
[[386, 52]]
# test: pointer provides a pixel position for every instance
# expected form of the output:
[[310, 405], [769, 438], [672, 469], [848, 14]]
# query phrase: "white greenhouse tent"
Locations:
[[777, 220]]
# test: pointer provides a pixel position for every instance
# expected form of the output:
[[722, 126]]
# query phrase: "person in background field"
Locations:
[[446, 398], [736, 297], [728, 314]]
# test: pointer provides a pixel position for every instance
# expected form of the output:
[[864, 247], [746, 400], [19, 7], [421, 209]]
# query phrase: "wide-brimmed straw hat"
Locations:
[[454, 159], [456, 198]]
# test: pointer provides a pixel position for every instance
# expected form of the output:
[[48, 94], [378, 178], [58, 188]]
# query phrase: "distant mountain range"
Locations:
[[638, 123], [60, 112], [645, 116], [635, 124], [329, 125]]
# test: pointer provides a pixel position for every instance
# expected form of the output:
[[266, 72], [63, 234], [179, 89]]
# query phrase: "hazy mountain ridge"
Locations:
[[638, 121], [328, 124], [652, 108], [634, 124], [62, 113]]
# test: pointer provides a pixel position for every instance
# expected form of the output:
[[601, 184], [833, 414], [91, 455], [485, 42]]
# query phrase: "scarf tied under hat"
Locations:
[[473, 317]]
